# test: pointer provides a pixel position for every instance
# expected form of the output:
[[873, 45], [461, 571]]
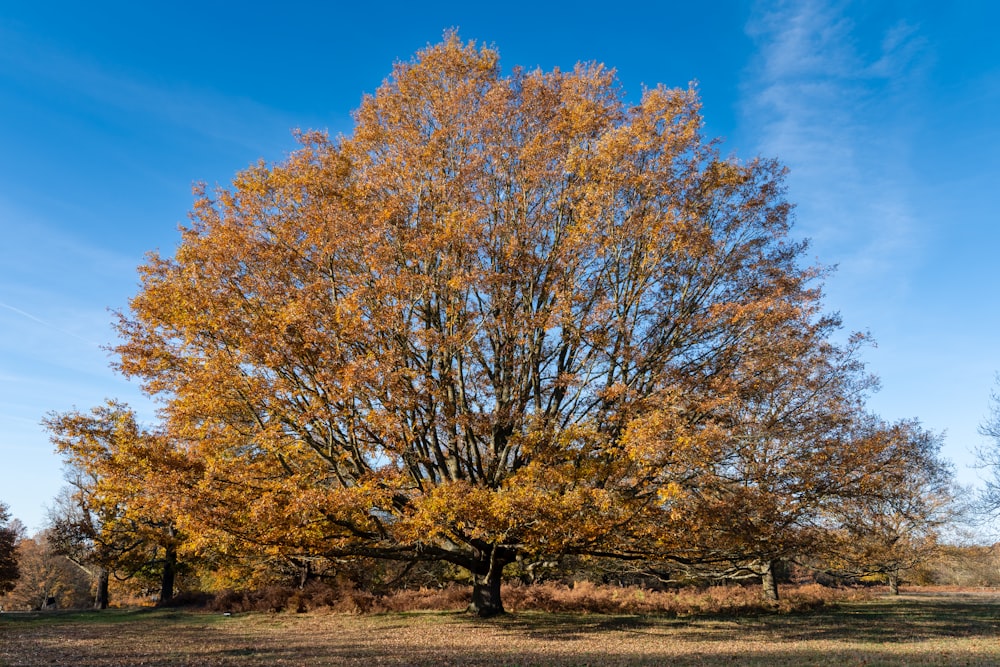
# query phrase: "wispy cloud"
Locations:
[[829, 98], [45, 324], [24, 313]]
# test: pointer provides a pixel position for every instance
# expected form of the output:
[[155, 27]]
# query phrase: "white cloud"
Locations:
[[854, 107], [802, 39], [828, 97]]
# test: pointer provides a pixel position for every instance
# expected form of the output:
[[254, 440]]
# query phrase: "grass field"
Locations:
[[913, 629]]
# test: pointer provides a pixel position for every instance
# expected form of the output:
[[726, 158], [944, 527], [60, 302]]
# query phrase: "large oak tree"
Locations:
[[506, 316]]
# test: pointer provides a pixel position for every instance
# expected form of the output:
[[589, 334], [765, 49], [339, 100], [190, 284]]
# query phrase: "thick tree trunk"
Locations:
[[103, 580], [487, 574], [893, 584], [769, 581], [169, 573], [486, 594]]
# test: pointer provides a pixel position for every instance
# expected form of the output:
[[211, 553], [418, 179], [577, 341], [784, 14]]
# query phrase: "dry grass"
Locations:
[[914, 629]]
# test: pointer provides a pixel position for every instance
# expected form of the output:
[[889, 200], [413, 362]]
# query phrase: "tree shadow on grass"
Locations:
[[915, 617], [907, 618]]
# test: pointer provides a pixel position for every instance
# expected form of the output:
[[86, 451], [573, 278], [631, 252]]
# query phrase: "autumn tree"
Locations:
[[47, 579], [9, 571], [785, 441], [500, 318], [116, 517], [76, 530], [896, 526]]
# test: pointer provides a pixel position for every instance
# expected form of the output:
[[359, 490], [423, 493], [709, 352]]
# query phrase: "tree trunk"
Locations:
[[769, 581], [103, 579], [486, 594], [893, 584], [305, 573], [169, 573], [487, 574]]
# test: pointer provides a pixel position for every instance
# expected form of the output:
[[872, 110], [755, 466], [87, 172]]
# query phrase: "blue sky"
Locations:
[[885, 112]]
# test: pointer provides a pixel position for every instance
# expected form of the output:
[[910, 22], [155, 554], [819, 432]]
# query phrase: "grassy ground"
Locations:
[[913, 629]]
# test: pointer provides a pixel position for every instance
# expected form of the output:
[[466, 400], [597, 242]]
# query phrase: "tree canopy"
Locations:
[[507, 316]]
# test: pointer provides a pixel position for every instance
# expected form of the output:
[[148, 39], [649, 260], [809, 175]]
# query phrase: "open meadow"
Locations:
[[917, 628]]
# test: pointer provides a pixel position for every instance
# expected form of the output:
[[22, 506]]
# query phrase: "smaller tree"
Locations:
[[116, 517], [785, 437], [895, 526], [9, 535], [76, 531]]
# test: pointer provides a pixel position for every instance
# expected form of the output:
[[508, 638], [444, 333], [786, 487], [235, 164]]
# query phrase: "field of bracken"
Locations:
[[917, 628]]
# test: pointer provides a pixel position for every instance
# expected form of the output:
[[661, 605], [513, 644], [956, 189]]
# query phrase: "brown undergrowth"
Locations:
[[588, 597], [579, 597]]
